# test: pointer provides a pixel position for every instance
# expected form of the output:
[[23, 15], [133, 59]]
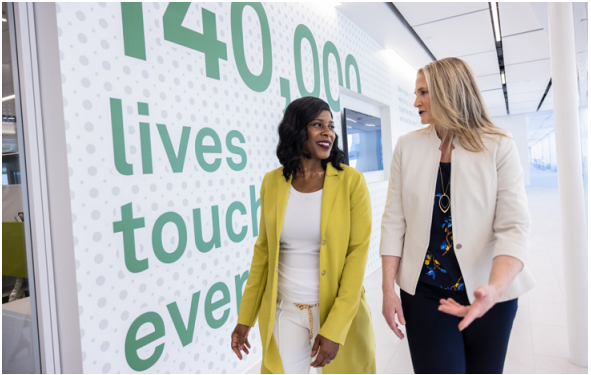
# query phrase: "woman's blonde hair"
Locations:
[[456, 102]]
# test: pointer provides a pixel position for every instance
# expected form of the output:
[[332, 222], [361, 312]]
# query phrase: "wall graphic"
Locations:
[[171, 113]]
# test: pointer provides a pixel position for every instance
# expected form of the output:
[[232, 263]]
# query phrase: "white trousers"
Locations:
[[294, 337]]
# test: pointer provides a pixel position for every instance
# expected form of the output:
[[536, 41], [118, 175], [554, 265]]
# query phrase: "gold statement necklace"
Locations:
[[444, 201]]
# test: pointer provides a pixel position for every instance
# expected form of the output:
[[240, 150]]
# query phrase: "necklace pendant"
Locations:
[[444, 203]]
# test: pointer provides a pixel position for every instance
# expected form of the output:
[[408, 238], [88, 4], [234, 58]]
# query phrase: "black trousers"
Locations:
[[437, 345]]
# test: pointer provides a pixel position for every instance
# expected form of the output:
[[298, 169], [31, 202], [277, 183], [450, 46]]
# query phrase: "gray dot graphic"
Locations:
[[102, 302], [104, 44], [106, 367], [84, 60], [82, 38], [90, 149], [106, 65], [103, 324], [92, 171], [94, 192], [103, 23], [97, 236], [124, 315], [100, 280], [115, 190], [104, 347], [98, 259]]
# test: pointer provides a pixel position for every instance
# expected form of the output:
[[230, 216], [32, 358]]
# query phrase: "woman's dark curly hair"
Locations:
[[293, 135]]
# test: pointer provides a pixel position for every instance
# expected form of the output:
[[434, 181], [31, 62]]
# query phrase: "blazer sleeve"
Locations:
[[393, 220], [257, 277], [342, 313], [512, 220]]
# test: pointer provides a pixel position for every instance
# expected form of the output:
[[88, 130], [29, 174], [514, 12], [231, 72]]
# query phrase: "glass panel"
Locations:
[[19, 335]]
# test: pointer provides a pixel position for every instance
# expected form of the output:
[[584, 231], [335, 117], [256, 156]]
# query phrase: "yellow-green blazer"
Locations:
[[345, 228]]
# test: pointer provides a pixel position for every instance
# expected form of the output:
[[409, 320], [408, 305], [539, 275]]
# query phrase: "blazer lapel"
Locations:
[[329, 193], [282, 195]]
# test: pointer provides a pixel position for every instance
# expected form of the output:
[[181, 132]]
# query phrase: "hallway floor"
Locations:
[[538, 341]]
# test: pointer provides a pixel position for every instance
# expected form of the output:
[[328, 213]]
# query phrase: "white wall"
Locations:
[[517, 125]]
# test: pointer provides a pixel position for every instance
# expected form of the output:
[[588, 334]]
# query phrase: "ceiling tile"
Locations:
[[489, 82], [526, 47], [418, 13], [496, 112], [537, 73], [517, 18], [494, 99], [460, 36], [525, 97], [483, 63], [526, 86], [525, 107]]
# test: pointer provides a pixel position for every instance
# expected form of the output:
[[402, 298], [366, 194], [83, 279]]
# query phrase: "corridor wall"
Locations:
[[171, 113]]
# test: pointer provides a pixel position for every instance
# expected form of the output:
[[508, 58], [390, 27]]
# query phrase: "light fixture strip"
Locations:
[[496, 25], [503, 77], [9, 97]]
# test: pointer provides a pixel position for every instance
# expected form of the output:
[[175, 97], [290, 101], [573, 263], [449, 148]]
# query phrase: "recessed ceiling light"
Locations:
[[8, 97], [495, 16]]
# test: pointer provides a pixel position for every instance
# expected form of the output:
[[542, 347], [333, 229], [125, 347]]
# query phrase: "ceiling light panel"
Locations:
[[420, 13], [517, 18], [526, 47], [460, 36]]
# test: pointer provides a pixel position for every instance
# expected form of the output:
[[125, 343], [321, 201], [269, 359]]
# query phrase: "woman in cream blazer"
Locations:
[[460, 165], [339, 326]]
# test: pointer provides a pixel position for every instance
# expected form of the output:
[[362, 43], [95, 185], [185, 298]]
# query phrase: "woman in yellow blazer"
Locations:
[[339, 325]]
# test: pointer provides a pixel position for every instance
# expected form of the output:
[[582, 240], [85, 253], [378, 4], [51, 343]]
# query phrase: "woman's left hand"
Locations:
[[327, 352], [486, 297]]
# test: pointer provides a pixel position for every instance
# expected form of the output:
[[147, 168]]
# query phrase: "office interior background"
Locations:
[[135, 137]]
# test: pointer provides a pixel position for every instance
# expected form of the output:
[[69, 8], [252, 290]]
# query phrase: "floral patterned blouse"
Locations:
[[440, 267]]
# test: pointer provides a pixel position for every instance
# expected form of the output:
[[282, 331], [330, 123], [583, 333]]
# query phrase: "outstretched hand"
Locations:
[[486, 297]]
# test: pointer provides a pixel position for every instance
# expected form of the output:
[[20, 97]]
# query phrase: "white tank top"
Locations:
[[299, 248]]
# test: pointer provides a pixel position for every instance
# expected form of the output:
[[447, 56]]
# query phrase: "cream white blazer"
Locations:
[[488, 205]]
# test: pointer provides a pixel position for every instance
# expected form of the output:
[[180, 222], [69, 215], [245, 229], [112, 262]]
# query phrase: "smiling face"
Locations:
[[423, 101], [321, 136]]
